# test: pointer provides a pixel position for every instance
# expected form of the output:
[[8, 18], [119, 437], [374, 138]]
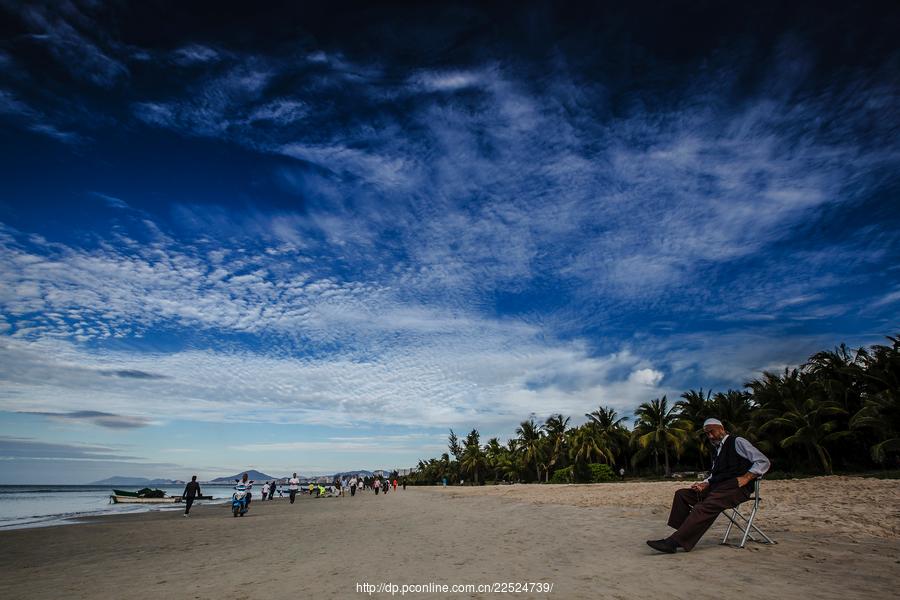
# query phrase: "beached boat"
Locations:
[[128, 494], [117, 499]]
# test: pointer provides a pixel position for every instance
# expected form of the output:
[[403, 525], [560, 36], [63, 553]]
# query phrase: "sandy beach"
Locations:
[[837, 538]]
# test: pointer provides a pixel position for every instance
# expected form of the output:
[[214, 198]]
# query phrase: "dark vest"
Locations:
[[729, 464]]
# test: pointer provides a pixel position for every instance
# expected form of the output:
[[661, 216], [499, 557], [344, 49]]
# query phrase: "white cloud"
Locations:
[[281, 111], [647, 377], [195, 54], [444, 81], [887, 299], [481, 373], [383, 170]]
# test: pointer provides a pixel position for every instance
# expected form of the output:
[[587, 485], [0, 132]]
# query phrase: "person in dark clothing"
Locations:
[[191, 491], [736, 463]]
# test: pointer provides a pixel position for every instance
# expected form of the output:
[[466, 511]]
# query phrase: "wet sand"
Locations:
[[588, 541]]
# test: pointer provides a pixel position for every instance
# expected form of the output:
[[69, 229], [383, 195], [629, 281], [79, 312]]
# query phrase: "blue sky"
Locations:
[[316, 239]]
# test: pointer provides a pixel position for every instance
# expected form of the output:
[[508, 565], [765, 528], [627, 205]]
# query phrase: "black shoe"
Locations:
[[666, 545]]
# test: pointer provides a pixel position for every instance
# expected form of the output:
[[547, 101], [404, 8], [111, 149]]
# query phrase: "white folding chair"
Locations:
[[744, 523]]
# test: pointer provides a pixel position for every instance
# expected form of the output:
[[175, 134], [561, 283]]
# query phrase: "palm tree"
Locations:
[[454, 446], [841, 375], [586, 445], [659, 426], [810, 425], [610, 430], [771, 395], [555, 428], [472, 458], [446, 467], [735, 409], [510, 463], [530, 444], [696, 408], [880, 412], [493, 452]]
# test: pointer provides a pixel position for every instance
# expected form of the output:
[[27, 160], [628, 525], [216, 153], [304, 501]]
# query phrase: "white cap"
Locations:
[[709, 422]]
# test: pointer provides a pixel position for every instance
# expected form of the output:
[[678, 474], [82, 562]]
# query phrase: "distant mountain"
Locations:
[[348, 474], [133, 481], [254, 475]]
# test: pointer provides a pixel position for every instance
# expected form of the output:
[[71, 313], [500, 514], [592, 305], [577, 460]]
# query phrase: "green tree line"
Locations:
[[840, 409]]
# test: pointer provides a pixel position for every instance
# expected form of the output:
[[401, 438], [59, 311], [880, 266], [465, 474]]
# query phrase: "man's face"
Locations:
[[714, 433]]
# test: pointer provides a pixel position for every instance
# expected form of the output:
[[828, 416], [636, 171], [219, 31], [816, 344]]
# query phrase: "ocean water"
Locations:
[[44, 505]]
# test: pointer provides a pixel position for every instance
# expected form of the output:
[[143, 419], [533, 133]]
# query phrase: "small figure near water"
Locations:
[[191, 491]]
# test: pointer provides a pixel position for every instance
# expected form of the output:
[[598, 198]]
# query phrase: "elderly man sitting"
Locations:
[[735, 465]]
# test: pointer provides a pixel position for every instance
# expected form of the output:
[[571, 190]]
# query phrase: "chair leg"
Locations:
[[733, 521], [767, 539], [730, 525], [748, 529]]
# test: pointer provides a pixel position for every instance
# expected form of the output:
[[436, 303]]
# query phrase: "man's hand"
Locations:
[[745, 479], [700, 486]]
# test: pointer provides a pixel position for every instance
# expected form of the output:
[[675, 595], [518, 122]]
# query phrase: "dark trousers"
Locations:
[[187, 504], [352, 490], [293, 495], [694, 512]]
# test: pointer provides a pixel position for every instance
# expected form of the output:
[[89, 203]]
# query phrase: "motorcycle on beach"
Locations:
[[240, 500]]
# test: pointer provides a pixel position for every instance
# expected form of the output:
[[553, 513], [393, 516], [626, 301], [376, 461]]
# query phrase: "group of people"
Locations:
[[269, 489], [736, 464], [339, 487]]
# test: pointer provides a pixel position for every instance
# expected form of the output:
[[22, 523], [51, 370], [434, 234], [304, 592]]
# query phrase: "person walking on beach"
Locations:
[[736, 463], [265, 491], [377, 486], [191, 490], [293, 486], [395, 484], [353, 484]]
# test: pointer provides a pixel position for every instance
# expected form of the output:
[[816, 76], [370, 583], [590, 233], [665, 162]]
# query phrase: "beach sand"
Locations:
[[837, 538]]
